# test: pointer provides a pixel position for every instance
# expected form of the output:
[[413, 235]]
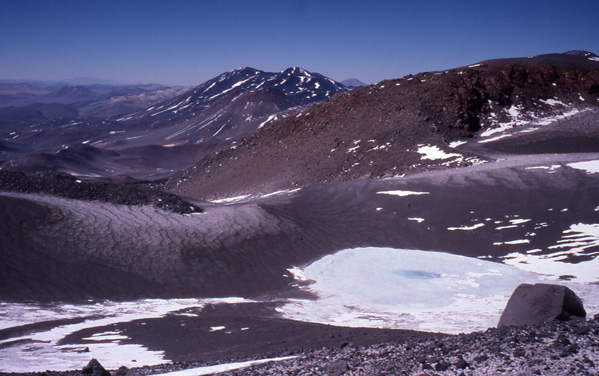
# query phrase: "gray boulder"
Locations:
[[539, 303], [94, 368]]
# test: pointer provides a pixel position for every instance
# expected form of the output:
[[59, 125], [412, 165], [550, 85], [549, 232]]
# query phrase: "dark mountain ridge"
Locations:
[[389, 128]]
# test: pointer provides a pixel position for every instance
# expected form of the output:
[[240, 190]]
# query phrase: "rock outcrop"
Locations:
[[94, 368], [540, 303]]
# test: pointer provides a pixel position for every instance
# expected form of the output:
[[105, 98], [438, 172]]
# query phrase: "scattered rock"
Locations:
[[337, 368], [519, 353], [539, 303], [442, 366], [581, 330], [461, 363], [94, 368]]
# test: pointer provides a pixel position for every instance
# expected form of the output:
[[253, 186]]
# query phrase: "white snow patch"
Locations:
[[551, 268], [492, 131], [230, 200], [519, 221], [270, 118], [551, 169], [515, 111], [467, 228], [495, 138], [455, 144], [221, 128], [577, 239], [281, 192], [552, 102], [297, 273], [591, 167], [106, 336], [519, 241], [518, 118], [210, 87], [402, 193], [505, 227], [434, 153]]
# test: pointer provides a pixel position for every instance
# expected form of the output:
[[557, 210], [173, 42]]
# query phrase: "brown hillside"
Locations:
[[377, 130]]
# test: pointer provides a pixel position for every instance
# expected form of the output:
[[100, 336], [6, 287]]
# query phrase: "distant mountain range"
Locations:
[[85, 81], [194, 123], [94, 100], [353, 82]]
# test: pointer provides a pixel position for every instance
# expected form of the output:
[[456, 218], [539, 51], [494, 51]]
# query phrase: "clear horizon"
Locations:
[[184, 42]]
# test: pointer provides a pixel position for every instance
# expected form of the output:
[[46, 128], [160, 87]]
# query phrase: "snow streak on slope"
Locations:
[[209, 370], [549, 111]]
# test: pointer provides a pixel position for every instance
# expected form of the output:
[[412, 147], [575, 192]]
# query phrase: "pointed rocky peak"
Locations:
[[296, 71], [243, 71]]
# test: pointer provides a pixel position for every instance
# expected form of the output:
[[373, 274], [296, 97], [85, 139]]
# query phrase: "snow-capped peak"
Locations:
[[296, 71]]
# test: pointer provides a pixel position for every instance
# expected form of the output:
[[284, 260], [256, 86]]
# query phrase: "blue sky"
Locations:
[[184, 42]]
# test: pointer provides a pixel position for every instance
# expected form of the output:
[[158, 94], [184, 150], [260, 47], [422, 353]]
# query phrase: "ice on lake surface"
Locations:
[[413, 289]]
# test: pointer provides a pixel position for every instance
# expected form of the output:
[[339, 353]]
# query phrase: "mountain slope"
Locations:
[[396, 126], [223, 109], [298, 85]]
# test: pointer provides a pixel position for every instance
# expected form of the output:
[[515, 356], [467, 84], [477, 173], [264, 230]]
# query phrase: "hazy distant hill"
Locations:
[[353, 82]]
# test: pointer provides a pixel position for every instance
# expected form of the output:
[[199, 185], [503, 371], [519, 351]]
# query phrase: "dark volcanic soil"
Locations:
[[249, 330], [65, 185]]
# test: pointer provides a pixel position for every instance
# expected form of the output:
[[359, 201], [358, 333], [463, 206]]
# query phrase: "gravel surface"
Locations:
[[556, 348]]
